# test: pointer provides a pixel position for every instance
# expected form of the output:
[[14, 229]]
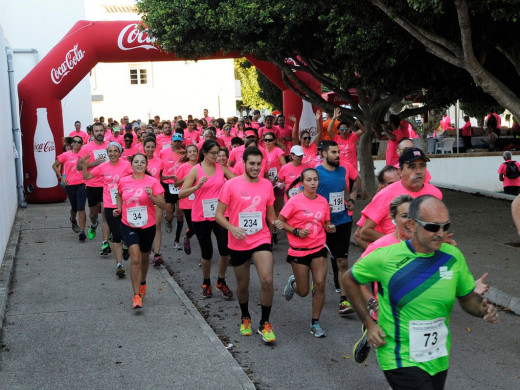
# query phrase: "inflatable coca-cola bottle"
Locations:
[[44, 151], [307, 119]]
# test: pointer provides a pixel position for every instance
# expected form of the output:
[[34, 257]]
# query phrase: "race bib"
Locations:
[[293, 191], [337, 201], [173, 190], [100, 153], [272, 173], [137, 216], [166, 146], [209, 207], [192, 196], [251, 222], [428, 340], [113, 193]]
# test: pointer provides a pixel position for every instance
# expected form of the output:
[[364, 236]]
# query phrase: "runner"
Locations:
[[239, 168], [164, 140], [305, 218], [78, 132], [346, 139], [186, 204], [421, 278], [333, 186], [284, 135], [110, 173], [310, 149], [226, 136], [72, 181], [249, 200], [275, 161], [289, 173], [223, 157], [136, 196], [94, 187], [205, 180]]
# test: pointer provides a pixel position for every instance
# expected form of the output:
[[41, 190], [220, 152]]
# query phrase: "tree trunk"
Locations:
[[366, 163]]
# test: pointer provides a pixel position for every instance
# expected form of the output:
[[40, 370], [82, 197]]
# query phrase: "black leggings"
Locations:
[[187, 215], [114, 224], [203, 231]]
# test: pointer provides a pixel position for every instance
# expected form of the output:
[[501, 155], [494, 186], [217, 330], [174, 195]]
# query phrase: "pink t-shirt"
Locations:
[[110, 175], [347, 148], [288, 173], [182, 172], [206, 197], [392, 157], [69, 160], [466, 129], [171, 163], [227, 140], [273, 162], [129, 152], [240, 168], [236, 154], [138, 209], [95, 151], [310, 155], [163, 141], [285, 132], [379, 209], [191, 138], [247, 205], [387, 240], [304, 213], [507, 181], [155, 166], [84, 136]]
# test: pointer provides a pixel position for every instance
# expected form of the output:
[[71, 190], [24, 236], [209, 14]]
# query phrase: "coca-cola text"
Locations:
[[72, 58], [44, 147], [131, 38]]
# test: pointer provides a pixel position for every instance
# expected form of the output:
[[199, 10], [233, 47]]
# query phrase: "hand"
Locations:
[[238, 233], [116, 212], [149, 192], [292, 118], [281, 185], [64, 182], [480, 286], [375, 335], [337, 113], [357, 124], [278, 224], [202, 180], [489, 312], [303, 233], [449, 239], [330, 228], [350, 205], [86, 157], [317, 115]]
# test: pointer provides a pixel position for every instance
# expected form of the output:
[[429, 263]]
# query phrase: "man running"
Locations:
[[249, 201], [420, 280]]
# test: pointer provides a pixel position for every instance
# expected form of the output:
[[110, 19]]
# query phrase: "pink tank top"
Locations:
[[206, 197]]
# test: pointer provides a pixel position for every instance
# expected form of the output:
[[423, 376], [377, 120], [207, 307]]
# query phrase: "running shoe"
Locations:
[[206, 291], [157, 260], [266, 330], [126, 252], [120, 271], [169, 227], [224, 289], [137, 303], [338, 291], [177, 246], [142, 290], [75, 226], [82, 236], [362, 347], [92, 232], [187, 245], [317, 330], [288, 291], [245, 327], [345, 308], [105, 249]]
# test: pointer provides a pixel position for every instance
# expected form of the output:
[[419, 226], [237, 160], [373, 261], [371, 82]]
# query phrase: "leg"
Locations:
[[135, 267], [342, 269], [82, 219], [319, 275], [104, 225], [222, 244], [169, 212], [156, 247], [180, 224], [301, 276], [144, 266], [264, 267], [242, 277]]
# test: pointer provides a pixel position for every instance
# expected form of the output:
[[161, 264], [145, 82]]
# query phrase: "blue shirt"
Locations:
[[333, 182]]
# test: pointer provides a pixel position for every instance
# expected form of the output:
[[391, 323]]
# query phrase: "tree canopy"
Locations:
[[249, 86]]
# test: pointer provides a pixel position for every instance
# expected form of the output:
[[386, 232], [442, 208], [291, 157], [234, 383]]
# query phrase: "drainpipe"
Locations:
[[17, 136]]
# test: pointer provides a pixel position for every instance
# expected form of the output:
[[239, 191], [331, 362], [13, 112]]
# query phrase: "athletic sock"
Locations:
[[180, 224], [343, 298], [143, 283], [244, 307], [266, 311], [207, 282], [315, 321], [221, 281]]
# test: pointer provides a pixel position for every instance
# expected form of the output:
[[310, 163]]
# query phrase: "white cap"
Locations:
[[297, 150]]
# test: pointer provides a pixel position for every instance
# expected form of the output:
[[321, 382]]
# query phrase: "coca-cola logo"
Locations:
[[72, 58], [44, 147], [131, 37]]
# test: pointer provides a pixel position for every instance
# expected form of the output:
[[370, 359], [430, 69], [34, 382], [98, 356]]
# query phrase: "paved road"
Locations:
[[483, 356]]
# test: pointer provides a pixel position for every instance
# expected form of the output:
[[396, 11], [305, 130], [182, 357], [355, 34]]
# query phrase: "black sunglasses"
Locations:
[[76, 142], [306, 138], [434, 227], [268, 139]]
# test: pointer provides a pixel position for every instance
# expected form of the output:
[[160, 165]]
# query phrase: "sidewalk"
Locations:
[[69, 322]]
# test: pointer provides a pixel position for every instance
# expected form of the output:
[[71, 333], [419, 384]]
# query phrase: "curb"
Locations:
[[503, 299], [238, 372], [7, 267], [476, 191]]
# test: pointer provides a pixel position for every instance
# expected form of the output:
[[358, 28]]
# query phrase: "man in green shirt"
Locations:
[[420, 279]]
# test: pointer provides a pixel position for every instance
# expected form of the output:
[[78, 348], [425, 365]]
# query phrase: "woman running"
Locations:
[[205, 181], [305, 218], [275, 161], [290, 172], [111, 172], [72, 180], [136, 196], [310, 149]]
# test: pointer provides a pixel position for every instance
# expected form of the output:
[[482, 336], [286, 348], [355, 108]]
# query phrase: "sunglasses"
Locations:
[[306, 138], [268, 139], [344, 129], [434, 227], [77, 142]]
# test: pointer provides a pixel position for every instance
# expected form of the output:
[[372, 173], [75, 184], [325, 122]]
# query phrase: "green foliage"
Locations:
[[250, 90], [270, 92]]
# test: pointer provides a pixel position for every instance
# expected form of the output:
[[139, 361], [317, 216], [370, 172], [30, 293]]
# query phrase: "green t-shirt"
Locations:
[[416, 296]]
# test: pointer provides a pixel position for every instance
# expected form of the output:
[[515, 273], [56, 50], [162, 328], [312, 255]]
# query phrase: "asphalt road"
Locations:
[[482, 356]]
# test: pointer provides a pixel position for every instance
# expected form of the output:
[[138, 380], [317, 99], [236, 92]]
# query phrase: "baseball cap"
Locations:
[[297, 150], [412, 154], [128, 126], [177, 137], [116, 129], [249, 133]]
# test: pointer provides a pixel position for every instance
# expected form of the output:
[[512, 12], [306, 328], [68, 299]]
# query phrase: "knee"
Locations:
[[343, 264], [319, 286], [302, 291], [267, 282]]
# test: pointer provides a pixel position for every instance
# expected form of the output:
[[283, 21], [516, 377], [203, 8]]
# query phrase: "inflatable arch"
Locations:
[[87, 43]]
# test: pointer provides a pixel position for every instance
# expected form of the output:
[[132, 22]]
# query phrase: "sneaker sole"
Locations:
[[344, 313], [354, 352], [263, 338], [120, 274], [137, 307], [318, 336], [220, 291]]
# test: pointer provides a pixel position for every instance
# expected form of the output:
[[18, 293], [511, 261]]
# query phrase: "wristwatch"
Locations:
[[296, 232]]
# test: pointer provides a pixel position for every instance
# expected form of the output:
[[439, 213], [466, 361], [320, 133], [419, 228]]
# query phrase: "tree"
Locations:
[[342, 45], [479, 36], [249, 87], [269, 92]]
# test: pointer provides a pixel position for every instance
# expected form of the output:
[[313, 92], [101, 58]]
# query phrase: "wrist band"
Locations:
[[296, 232]]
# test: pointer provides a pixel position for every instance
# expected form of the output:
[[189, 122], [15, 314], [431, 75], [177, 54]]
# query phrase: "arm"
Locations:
[[319, 127], [57, 168], [157, 199], [360, 130], [390, 135], [369, 232], [476, 306], [295, 135], [500, 177], [377, 132], [355, 188], [330, 129], [119, 202], [236, 231], [227, 173], [188, 187], [86, 174], [282, 222]]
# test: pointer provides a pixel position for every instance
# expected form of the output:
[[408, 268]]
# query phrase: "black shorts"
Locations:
[[511, 190], [168, 196], [94, 196], [142, 237], [414, 378], [237, 258], [114, 224], [307, 259], [77, 196], [203, 231], [339, 241]]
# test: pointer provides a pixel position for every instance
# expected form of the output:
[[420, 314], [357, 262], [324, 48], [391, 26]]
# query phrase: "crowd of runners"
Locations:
[[248, 179]]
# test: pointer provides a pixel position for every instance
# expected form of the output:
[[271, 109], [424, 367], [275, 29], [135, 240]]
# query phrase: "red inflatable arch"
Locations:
[[87, 43]]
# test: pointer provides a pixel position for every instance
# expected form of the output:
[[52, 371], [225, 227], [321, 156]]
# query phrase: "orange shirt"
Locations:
[[326, 129]]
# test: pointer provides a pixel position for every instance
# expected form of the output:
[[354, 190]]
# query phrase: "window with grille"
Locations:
[[138, 76]]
